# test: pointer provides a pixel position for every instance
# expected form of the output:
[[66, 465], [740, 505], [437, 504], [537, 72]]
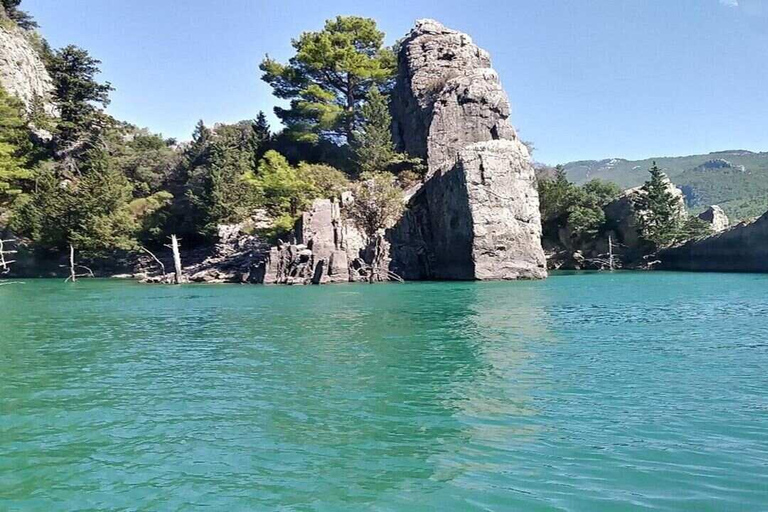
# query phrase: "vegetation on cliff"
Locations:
[[101, 185]]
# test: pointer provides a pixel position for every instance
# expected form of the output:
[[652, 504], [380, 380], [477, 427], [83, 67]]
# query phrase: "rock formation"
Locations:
[[22, 72], [742, 248], [477, 214], [475, 217], [716, 218], [623, 215], [326, 250]]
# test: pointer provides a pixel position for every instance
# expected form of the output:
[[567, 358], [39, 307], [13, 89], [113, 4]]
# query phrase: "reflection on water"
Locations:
[[598, 392]]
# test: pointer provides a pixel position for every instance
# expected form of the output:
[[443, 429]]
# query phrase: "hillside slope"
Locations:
[[736, 180]]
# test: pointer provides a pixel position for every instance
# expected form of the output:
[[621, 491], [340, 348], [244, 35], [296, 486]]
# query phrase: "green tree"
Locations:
[[283, 190], [91, 212], [14, 146], [374, 150], [378, 201], [79, 96], [329, 77], [227, 196], [262, 137], [327, 181], [21, 18], [556, 195], [660, 216], [580, 209]]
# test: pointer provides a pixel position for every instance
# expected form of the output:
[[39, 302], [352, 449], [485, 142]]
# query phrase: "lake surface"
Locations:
[[601, 392]]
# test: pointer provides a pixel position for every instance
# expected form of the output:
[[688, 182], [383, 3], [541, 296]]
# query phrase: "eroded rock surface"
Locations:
[[22, 72], [477, 214], [742, 248], [716, 218], [623, 216]]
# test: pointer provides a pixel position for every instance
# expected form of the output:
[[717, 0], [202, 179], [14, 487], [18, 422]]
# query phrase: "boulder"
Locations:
[[716, 218]]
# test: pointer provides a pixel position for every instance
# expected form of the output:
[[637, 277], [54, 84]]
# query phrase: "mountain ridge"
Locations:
[[735, 179]]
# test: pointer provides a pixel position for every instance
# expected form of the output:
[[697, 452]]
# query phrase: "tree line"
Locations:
[[86, 180]]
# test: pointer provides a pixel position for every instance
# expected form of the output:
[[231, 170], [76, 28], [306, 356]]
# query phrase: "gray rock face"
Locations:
[[477, 215], [623, 215], [430, 56], [715, 217], [742, 248], [22, 72], [327, 249], [333, 242]]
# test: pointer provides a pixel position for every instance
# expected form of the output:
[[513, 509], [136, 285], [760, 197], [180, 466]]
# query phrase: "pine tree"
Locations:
[[660, 216], [78, 95], [374, 149], [329, 77], [13, 145], [262, 137]]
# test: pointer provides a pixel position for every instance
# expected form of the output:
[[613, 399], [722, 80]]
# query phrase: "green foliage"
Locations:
[[374, 150], [282, 188], [660, 221], [262, 140], [741, 189], [151, 213], [92, 212], [693, 228], [21, 18], [378, 202], [281, 229], [226, 195], [579, 208], [326, 181], [77, 94], [329, 77], [209, 183], [14, 147]]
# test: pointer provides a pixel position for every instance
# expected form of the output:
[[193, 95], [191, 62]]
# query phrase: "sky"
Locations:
[[587, 79]]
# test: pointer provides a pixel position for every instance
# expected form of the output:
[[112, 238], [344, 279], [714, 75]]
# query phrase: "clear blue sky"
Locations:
[[587, 78]]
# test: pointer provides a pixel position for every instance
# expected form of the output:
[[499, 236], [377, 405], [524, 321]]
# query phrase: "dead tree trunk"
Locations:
[[162, 267], [176, 259], [4, 263], [611, 263], [72, 274]]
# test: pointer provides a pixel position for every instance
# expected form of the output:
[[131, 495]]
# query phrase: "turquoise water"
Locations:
[[603, 392]]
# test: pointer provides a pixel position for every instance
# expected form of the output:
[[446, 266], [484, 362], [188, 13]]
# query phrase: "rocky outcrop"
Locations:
[[430, 56], [22, 72], [477, 214], [716, 218], [326, 250], [623, 215], [238, 257], [742, 248]]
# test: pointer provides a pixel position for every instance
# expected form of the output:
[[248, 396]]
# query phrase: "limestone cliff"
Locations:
[[742, 248], [477, 214], [22, 72]]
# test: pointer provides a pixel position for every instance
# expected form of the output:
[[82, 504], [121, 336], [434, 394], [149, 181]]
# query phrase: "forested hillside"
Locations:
[[736, 180], [74, 177]]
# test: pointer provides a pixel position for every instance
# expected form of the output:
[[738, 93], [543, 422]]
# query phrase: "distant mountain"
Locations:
[[736, 180]]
